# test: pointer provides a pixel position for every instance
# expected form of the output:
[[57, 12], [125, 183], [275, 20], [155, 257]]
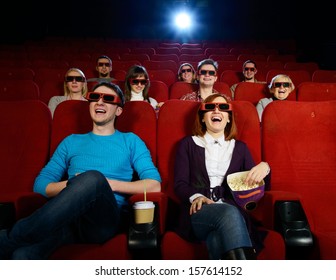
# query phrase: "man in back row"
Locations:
[[104, 69], [249, 72]]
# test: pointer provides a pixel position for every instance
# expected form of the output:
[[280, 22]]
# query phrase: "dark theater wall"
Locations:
[[310, 25]]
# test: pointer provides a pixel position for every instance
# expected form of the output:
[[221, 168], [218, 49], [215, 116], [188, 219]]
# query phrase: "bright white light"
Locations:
[[182, 21]]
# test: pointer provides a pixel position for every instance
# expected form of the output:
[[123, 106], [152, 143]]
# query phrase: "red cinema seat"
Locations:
[[161, 65], [166, 76], [165, 57], [299, 143], [253, 92], [16, 73], [297, 76], [24, 150], [178, 89], [324, 76], [138, 117], [18, 90], [309, 66], [159, 91], [314, 91], [175, 121]]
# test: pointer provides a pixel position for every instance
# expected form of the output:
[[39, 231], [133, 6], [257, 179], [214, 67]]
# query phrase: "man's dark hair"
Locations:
[[115, 88]]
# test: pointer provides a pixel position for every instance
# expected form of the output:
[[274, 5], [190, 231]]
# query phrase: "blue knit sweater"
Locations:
[[117, 156]]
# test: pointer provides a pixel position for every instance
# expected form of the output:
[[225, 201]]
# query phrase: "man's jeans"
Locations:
[[85, 211]]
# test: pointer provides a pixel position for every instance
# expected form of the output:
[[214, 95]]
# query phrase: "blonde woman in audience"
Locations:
[[187, 73], [75, 88], [280, 88], [137, 85]]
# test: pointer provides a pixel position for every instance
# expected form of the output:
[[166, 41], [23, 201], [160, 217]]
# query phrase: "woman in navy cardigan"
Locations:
[[202, 164]]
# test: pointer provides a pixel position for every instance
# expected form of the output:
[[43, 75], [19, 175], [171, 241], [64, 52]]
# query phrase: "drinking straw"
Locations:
[[145, 197]]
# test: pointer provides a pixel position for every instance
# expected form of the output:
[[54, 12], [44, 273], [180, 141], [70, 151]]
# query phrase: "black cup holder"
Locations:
[[292, 223], [7, 215], [144, 236]]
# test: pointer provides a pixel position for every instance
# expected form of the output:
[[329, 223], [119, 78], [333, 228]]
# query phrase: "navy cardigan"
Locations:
[[190, 177]]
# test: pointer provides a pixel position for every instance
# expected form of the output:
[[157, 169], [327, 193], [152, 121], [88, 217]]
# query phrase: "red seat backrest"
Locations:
[[18, 90], [148, 51], [297, 76], [168, 50], [178, 89], [123, 64], [134, 56], [314, 91], [309, 66], [223, 88], [161, 65], [299, 143], [159, 91], [225, 57], [220, 50], [70, 117], [166, 76], [231, 77], [16, 72], [165, 57], [140, 118], [192, 57], [251, 92], [73, 116], [175, 120], [24, 144], [255, 57], [324, 76], [281, 57], [49, 89], [44, 74]]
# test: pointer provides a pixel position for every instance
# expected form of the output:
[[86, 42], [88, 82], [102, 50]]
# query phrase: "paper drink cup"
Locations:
[[143, 212]]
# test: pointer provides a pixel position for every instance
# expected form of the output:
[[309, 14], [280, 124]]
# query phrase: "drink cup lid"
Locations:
[[143, 205]]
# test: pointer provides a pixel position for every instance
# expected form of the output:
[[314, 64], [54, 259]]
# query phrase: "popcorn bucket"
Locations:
[[245, 196]]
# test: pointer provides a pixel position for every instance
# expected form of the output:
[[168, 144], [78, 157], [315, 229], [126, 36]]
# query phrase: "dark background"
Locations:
[[311, 25]]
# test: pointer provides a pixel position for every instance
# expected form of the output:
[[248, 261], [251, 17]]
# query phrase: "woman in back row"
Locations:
[[187, 73], [137, 85], [75, 88], [280, 87]]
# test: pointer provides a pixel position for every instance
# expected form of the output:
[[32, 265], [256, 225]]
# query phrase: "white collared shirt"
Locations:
[[218, 155]]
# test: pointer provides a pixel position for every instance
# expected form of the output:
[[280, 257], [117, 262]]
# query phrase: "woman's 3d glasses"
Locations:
[[284, 84], [76, 78], [142, 82], [212, 107], [107, 98], [186, 70]]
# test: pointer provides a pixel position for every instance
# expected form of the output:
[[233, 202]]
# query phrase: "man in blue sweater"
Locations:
[[88, 206]]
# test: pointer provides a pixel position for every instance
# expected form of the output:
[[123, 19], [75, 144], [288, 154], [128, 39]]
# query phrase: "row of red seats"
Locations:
[[61, 49], [230, 72], [157, 61], [253, 92], [297, 139]]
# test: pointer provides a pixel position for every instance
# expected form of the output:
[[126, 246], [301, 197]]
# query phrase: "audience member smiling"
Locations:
[[280, 87]]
